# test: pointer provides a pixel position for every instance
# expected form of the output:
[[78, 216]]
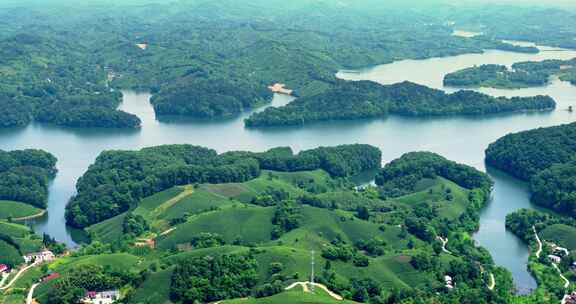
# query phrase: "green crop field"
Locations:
[[119, 261], [9, 254], [11, 209], [108, 230], [245, 192], [13, 230], [434, 192], [156, 289], [252, 224], [197, 202], [562, 235]]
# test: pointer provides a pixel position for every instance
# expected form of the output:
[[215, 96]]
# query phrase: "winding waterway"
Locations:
[[462, 139]]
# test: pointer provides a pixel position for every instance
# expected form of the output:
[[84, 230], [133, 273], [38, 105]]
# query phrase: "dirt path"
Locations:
[[4, 278], [167, 231], [539, 251], [188, 189], [566, 281], [444, 242], [316, 285], [30, 296], [37, 215], [492, 282], [18, 275]]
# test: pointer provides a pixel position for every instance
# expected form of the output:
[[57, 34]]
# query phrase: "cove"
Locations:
[[462, 139]]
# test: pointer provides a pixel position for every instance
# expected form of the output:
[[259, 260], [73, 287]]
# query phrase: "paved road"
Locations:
[[31, 294], [18, 275]]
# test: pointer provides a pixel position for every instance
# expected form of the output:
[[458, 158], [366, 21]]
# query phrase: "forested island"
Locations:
[[545, 158], [365, 99], [521, 75], [210, 60]]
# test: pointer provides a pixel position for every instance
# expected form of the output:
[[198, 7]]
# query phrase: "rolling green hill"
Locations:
[[11, 209], [562, 235]]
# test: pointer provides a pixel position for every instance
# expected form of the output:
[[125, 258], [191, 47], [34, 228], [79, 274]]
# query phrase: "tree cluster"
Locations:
[[24, 176], [209, 279]]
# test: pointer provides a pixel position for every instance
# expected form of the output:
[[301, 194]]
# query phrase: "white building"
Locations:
[[555, 259], [102, 297], [42, 256], [449, 282]]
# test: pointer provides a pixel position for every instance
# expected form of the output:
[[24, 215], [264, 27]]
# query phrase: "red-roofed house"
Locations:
[[4, 268], [51, 276]]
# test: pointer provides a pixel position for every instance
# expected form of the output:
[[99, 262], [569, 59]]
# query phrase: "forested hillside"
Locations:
[[365, 99], [202, 59], [119, 179], [545, 157], [24, 176]]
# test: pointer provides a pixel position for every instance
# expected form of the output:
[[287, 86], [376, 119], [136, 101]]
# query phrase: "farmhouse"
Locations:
[[4, 268], [42, 256], [102, 297]]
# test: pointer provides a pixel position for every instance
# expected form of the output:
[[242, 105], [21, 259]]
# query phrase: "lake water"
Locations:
[[462, 139]]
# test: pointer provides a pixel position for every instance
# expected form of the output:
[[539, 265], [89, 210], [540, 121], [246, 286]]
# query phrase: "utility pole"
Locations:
[[312, 273]]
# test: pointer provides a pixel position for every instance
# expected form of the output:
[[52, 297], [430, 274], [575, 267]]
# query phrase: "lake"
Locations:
[[462, 139]]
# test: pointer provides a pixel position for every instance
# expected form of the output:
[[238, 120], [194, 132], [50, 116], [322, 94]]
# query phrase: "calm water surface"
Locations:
[[463, 139]]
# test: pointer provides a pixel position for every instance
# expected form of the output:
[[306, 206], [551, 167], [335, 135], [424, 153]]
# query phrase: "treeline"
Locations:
[[364, 99], [119, 179], [522, 74], [24, 176], [545, 157], [209, 98]]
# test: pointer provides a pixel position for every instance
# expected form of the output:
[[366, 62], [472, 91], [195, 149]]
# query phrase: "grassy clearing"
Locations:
[[11, 209], [293, 296], [562, 235]]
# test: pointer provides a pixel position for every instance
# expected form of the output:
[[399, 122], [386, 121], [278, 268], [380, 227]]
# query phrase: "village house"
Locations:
[[280, 88], [449, 282], [51, 276], [42, 256], [555, 259], [102, 297], [570, 298], [4, 268], [559, 251]]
